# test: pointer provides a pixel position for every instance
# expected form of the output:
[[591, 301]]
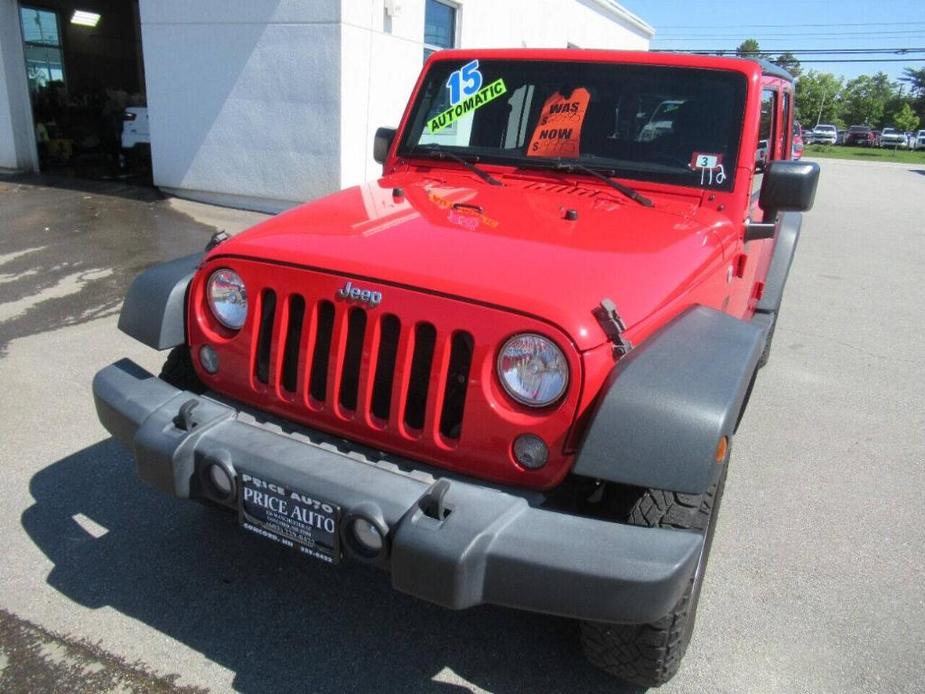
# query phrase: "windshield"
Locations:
[[651, 123]]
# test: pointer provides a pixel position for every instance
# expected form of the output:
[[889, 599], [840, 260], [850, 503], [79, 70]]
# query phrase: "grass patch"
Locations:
[[902, 156]]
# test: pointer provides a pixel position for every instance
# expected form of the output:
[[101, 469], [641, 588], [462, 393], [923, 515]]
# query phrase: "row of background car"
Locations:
[[858, 135]]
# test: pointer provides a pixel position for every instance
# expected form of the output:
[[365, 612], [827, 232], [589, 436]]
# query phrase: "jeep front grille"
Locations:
[[346, 359], [413, 375]]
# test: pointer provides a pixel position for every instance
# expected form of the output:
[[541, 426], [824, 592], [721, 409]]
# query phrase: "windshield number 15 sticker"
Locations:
[[711, 168], [466, 81]]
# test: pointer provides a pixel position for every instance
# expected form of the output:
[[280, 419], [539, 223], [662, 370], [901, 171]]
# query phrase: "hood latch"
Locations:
[[612, 325], [218, 237]]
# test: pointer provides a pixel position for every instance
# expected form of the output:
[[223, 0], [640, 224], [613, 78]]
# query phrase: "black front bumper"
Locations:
[[493, 548]]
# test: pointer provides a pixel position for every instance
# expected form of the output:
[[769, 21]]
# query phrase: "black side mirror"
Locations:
[[788, 186], [382, 143]]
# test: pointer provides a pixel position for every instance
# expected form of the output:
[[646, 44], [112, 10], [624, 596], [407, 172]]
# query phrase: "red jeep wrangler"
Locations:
[[510, 370]]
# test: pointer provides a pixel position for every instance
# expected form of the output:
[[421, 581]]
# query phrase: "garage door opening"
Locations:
[[87, 88]]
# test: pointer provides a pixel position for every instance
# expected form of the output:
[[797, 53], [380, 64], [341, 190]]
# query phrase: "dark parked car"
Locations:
[[860, 135]]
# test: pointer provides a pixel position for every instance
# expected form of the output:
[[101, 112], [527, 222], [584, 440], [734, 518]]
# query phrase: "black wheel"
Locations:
[[766, 352], [178, 370], [649, 654]]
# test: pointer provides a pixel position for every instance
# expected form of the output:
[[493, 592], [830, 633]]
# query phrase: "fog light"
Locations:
[[367, 536], [209, 359], [530, 451], [222, 482]]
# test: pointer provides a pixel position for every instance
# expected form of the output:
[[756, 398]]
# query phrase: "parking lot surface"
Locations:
[[814, 585]]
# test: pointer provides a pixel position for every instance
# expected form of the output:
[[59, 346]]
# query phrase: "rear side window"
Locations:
[[766, 128], [785, 141]]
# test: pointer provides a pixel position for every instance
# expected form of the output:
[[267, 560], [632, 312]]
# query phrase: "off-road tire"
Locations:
[[649, 654], [766, 352], [178, 370]]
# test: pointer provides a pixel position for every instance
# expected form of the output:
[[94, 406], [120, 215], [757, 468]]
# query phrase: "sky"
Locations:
[[796, 25]]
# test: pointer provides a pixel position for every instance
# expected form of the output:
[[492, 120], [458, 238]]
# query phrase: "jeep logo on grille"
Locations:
[[365, 296]]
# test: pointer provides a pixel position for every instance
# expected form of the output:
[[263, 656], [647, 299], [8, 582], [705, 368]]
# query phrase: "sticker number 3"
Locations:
[[464, 82], [704, 161]]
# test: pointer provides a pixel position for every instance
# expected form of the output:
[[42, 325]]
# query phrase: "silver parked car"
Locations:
[[825, 134], [891, 137]]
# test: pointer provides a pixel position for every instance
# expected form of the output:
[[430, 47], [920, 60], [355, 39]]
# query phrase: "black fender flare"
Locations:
[[785, 246], [664, 407], [154, 310]]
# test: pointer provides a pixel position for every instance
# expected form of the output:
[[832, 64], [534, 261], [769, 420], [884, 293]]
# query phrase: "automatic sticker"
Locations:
[[466, 95]]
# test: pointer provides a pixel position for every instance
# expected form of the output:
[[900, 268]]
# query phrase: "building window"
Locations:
[[439, 26], [42, 43]]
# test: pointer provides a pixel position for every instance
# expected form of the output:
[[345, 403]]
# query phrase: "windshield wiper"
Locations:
[[605, 176], [437, 151]]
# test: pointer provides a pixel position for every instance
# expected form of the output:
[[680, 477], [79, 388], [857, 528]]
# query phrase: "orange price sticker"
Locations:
[[559, 129]]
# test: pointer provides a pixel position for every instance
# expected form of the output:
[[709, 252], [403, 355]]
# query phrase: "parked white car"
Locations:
[[825, 134], [891, 137], [135, 127], [919, 141]]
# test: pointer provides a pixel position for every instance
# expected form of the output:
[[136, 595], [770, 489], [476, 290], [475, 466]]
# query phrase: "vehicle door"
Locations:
[[749, 267]]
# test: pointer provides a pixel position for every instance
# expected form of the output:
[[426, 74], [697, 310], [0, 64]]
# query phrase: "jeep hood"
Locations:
[[510, 246]]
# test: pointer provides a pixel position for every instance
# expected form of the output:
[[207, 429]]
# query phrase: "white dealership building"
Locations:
[[266, 103]]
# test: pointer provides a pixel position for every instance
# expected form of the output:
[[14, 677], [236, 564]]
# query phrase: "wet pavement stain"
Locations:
[[35, 660], [69, 249]]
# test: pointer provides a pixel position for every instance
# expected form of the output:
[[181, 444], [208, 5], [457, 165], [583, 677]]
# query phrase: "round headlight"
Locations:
[[532, 370], [227, 298]]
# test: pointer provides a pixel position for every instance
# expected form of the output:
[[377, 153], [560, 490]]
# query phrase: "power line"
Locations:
[[830, 25], [790, 35], [799, 51], [865, 60]]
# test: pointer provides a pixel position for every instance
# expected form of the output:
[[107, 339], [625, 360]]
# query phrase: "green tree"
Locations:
[[905, 118], [749, 48], [818, 98], [866, 98], [915, 78], [789, 62]]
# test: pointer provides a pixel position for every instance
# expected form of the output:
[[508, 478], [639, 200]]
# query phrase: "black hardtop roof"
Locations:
[[773, 70], [767, 67]]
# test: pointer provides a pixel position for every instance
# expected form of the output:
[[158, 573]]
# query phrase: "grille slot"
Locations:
[[425, 336], [389, 332], [353, 354], [319, 378], [457, 381], [265, 335], [293, 339]]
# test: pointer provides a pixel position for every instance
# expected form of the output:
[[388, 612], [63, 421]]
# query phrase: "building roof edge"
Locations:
[[623, 14]]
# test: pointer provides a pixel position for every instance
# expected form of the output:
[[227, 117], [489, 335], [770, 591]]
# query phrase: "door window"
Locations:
[[766, 129]]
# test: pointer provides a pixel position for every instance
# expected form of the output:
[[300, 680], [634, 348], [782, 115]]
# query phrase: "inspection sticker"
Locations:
[[710, 166], [467, 105]]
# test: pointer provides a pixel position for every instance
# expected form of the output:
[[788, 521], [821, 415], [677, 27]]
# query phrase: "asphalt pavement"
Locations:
[[818, 567]]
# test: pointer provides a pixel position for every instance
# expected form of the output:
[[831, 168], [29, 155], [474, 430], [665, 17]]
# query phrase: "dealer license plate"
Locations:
[[290, 517]]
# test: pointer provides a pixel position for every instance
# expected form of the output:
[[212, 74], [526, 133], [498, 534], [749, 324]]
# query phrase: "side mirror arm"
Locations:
[[755, 231]]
